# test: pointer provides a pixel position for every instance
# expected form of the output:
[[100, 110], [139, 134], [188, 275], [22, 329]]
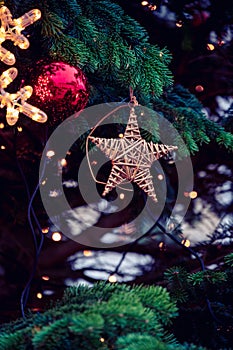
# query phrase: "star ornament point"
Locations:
[[131, 157]]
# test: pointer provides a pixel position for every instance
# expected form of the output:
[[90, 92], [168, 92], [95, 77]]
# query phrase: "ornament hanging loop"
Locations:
[[133, 101]]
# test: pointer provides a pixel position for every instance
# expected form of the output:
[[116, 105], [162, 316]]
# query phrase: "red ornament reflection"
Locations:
[[59, 89]]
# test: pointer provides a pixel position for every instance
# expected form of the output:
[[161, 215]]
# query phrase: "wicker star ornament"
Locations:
[[131, 157]]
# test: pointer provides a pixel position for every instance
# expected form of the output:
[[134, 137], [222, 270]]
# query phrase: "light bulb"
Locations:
[[63, 162], [12, 116], [33, 112], [27, 19], [43, 182], [193, 194], [179, 24], [11, 101], [6, 56], [26, 92], [45, 230], [45, 278], [7, 77], [39, 295], [56, 236], [87, 253], [186, 242], [112, 279], [50, 153], [210, 47]]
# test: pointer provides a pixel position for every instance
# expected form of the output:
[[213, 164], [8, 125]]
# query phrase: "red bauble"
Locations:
[[59, 89]]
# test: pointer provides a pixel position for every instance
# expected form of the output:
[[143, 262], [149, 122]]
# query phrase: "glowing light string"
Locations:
[[15, 103], [11, 30]]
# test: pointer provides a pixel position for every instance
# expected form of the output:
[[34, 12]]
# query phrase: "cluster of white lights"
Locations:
[[16, 103]]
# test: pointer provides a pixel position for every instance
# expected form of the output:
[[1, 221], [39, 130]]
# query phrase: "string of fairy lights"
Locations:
[[215, 40]]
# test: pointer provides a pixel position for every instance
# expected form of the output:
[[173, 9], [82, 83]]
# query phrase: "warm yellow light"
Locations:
[[2, 126], [122, 195], [50, 153], [179, 24], [87, 253], [152, 7], [210, 47], [11, 101], [56, 236], [27, 19], [3, 147], [30, 111], [27, 92], [45, 230], [63, 162], [6, 56], [39, 117], [193, 194], [144, 3], [24, 44], [43, 182], [39, 295], [160, 177], [112, 279], [8, 76], [186, 242], [12, 115], [11, 30], [102, 340], [19, 128], [161, 245], [121, 135], [45, 278]]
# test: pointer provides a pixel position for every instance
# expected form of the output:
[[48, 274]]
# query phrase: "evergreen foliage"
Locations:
[[204, 299], [115, 53], [99, 317], [195, 307]]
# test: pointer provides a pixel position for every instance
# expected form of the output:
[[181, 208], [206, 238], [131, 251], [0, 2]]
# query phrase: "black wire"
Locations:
[[26, 290], [190, 250], [25, 293], [201, 262]]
